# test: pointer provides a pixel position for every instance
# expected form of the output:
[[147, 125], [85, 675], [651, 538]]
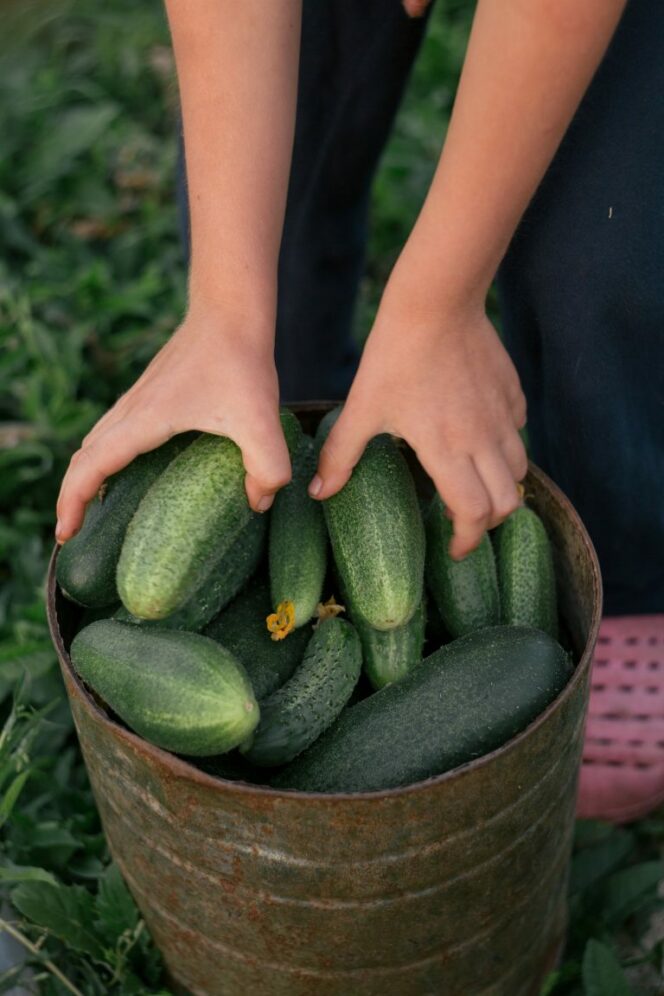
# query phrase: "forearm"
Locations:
[[527, 67], [237, 71]]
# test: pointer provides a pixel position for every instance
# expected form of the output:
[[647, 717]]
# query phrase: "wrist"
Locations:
[[228, 305], [429, 295]]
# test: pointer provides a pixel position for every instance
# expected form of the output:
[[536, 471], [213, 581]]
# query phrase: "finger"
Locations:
[[342, 449], [93, 464], [519, 409], [415, 8], [515, 455], [500, 484], [114, 414], [266, 460], [466, 498]]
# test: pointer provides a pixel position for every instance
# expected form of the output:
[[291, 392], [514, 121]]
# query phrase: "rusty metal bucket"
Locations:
[[452, 887]]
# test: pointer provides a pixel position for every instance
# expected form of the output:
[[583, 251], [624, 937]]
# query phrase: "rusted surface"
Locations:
[[452, 887]]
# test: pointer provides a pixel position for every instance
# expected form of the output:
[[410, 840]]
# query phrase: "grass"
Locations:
[[91, 283]]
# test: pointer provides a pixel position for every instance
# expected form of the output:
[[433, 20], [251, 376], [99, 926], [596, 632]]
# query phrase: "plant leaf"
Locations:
[[10, 796], [602, 974], [627, 890], [13, 874], [593, 863], [66, 911], [115, 907]]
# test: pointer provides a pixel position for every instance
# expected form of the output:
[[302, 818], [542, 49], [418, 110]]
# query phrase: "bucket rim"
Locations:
[[180, 768]]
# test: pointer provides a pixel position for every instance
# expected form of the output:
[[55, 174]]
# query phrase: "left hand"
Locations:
[[441, 379]]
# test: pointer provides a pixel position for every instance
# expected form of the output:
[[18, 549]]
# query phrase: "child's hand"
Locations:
[[208, 377], [444, 383]]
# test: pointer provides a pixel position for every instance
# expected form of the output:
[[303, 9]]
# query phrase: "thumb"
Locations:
[[266, 461], [342, 449]]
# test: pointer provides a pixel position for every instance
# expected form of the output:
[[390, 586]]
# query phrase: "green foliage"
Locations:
[[91, 283]]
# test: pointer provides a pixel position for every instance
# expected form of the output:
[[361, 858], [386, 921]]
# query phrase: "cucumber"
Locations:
[[525, 572], [241, 629], [465, 591], [375, 527], [292, 430], [86, 564], [297, 547], [388, 655], [464, 700], [182, 528], [296, 714], [181, 691], [229, 576]]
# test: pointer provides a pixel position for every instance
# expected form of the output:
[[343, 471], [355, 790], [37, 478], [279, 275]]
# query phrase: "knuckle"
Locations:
[[277, 480], [81, 457], [475, 511], [505, 505]]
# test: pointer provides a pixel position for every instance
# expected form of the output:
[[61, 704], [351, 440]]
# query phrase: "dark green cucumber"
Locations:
[[294, 716], [241, 629], [229, 576], [377, 535], [86, 565], [388, 655], [292, 430], [182, 528], [525, 572], [298, 541], [465, 591], [181, 691], [466, 699]]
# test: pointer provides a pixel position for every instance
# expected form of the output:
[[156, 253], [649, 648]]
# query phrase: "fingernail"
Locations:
[[315, 486], [58, 538], [265, 503]]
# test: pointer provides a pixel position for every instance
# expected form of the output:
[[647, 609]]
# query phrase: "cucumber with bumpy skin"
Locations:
[[229, 576], [182, 528], [296, 714], [465, 591], [297, 547], [241, 629], [525, 572], [389, 655], [181, 691], [375, 527], [464, 700], [86, 564]]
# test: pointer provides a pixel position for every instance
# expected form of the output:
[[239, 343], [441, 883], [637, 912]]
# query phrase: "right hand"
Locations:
[[212, 376]]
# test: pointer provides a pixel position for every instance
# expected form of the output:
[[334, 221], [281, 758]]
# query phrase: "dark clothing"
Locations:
[[582, 294], [581, 287]]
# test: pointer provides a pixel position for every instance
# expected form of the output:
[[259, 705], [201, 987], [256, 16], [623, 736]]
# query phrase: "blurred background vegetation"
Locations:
[[91, 284]]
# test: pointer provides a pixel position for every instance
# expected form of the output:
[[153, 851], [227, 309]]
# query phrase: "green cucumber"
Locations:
[[292, 430], [377, 535], [86, 564], [182, 528], [297, 545], [465, 591], [241, 629], [296, 714], [181, 691], [229, 576], [466, 699], [525, 572], [388, 655]]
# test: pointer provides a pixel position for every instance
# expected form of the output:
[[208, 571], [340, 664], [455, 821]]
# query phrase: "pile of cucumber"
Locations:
[[289, 648]]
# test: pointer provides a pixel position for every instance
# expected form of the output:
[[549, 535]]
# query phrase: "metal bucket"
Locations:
[[452, 887]]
